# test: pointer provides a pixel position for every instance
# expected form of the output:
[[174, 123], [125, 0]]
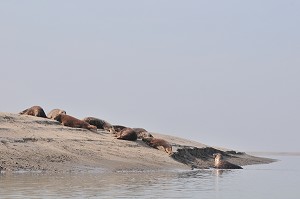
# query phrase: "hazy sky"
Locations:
[[224, 73]]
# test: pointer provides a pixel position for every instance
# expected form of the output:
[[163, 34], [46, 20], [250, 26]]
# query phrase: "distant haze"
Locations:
[[224, 73]]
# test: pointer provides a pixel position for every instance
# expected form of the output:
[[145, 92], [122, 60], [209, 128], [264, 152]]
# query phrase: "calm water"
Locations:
[[277, 180]]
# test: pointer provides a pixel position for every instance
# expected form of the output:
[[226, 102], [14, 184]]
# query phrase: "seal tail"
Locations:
[[22, 112]]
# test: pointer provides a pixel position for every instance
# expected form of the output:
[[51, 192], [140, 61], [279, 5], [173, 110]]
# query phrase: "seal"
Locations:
[[220, 163], [138, 130], [100, 124], [119, 128], [52, 114], [142, 133], [34, 111], [158, 143], [127, 134], [70, 121]]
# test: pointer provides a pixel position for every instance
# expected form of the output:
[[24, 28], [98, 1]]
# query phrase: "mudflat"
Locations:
[[29, 143]]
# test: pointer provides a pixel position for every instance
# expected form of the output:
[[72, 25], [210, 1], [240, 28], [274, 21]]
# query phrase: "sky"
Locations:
[[223, 73]]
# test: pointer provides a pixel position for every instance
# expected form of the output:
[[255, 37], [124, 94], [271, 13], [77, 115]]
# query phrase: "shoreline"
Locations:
[[29, 143]]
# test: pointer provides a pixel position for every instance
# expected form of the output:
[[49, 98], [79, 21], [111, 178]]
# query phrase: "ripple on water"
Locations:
[[247, 183]]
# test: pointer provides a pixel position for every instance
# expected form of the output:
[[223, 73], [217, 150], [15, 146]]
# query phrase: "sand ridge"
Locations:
[[37, 144]]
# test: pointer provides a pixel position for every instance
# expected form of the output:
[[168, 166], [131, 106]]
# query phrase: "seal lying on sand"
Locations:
[[220, 163], [52, 114], [70, 121], [119, 128], [127, 134], [100, 124], [158, 143], [142, 133], [34, 111]]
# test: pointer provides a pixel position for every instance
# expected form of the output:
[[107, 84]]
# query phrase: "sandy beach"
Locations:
[[30, 143]]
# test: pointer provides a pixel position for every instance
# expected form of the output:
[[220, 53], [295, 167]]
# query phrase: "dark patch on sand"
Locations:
[[202, 158]]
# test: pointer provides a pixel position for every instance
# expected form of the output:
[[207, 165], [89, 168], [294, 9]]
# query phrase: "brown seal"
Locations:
[[220, 163], [158, 143], [70, 121], [142, 133], [52, 114], [119, 128], [127, 134], [34, 111], [100, 124]]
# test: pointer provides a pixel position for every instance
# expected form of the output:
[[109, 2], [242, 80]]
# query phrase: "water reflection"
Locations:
[[183, 184], [113, 184], [152, 184]]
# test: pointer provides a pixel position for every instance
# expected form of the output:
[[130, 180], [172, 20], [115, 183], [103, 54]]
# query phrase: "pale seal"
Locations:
[[220, 163], [52, 114]]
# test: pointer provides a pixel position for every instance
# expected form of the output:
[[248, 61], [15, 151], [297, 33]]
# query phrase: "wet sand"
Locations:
[[30, 143]]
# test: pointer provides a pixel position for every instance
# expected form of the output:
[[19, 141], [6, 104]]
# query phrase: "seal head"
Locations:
[[220, 163]]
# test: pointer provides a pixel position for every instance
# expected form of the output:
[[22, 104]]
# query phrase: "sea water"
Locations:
[[280, 180]]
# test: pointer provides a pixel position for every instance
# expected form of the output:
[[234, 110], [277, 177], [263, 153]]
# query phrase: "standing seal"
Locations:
[[127, 134], [52, 114], [100, 124], [70, 121], [158, 143], [34, 111], [220, 163]]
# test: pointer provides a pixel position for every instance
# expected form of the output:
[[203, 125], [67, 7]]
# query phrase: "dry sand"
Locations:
[[30, 143]]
